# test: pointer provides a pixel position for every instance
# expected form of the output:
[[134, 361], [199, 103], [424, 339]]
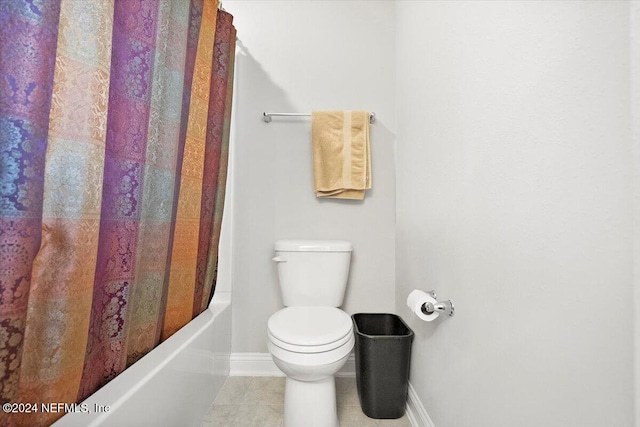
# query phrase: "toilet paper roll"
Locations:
[[416, 299]]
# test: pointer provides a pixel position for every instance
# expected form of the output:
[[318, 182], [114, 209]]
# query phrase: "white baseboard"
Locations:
[[261, 365], [253, 365], [415, 410]]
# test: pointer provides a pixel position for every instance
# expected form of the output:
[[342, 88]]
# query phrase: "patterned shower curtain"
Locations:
[[114, 132]]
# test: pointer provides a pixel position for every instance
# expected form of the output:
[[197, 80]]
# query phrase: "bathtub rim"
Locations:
[[123, 387]]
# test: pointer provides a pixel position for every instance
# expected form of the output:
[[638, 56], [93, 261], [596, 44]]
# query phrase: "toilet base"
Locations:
[[310, 403]]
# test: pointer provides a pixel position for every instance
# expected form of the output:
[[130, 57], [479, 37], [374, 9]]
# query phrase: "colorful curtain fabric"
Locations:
[[114, 131]]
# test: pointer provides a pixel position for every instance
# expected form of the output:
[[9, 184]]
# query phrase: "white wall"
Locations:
[[514, 198], [298, 57], [634, 53]]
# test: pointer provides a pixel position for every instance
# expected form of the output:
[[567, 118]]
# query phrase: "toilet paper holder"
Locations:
[[444, 307]]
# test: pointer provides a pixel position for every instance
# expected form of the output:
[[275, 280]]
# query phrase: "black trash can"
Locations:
[[383, 354]]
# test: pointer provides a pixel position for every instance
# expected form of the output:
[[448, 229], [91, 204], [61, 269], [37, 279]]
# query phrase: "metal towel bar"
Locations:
[[267, 116]]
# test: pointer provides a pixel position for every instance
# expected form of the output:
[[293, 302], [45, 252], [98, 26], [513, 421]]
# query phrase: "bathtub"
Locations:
[[173, 385]]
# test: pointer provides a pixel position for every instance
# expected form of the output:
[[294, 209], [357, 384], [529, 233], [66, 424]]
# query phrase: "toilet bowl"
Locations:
[[311, 338], [309, 345]]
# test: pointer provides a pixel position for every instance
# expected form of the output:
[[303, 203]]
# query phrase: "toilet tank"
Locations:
[[313, 272]]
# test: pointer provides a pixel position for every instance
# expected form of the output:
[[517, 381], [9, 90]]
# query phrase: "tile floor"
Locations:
[[259, 402]]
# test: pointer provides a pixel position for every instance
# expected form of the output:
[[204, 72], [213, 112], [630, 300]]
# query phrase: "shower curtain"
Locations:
[[114, 131]]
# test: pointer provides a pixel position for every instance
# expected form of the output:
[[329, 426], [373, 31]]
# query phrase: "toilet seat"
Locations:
[[310, 329], [309, 349]]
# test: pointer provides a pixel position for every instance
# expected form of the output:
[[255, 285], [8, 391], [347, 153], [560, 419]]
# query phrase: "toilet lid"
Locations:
[[310, 326]]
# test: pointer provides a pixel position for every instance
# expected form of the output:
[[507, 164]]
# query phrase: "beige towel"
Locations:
[[341, 154]]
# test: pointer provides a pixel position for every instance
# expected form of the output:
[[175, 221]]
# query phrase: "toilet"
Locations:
[[311, 338]]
